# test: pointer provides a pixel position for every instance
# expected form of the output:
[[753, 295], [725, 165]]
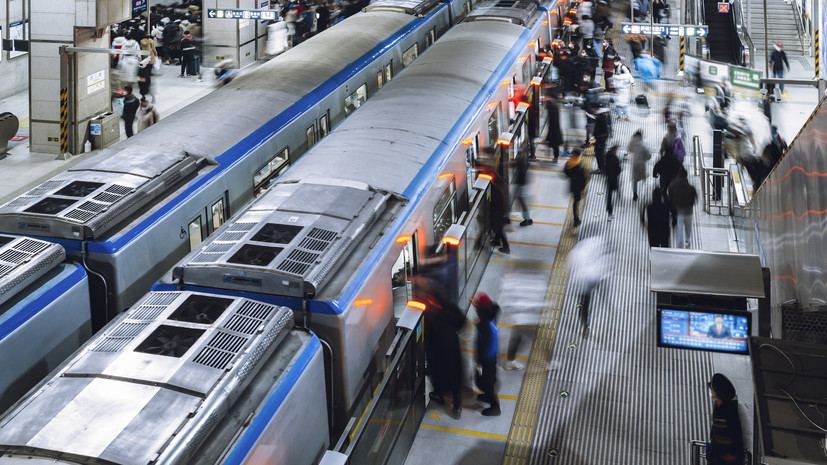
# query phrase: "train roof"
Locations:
[[90, 199], [390, 150], [513, 11], [290, 242], [393, 141], [155, 383], [23, 261]]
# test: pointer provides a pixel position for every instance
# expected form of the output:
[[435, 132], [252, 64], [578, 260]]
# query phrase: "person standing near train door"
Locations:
[[487, 349], [443, 319], [554, 138], [577, 182]]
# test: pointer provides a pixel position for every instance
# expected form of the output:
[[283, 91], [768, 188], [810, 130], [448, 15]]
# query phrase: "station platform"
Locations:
[[23, 169], [611, 396]]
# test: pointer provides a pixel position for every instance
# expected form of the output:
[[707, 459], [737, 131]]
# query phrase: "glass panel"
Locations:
[[217, 210], [195, 230], [380, 79], [311, 136], [494, 127], [410, 55], [324, 125], [466, 8], [269, 171], [389, 71], [444, 213], [356, 99], [527, 71], [402, 271], [512, 105]]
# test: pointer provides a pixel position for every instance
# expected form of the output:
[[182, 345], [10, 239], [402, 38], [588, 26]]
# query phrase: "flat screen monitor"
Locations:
[[703, 329]]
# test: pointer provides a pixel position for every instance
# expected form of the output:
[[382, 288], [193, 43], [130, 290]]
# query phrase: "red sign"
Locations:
[[18, 138], [723, 7]]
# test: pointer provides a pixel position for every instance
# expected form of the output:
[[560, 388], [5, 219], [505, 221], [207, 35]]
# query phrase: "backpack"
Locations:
[[679, 149]]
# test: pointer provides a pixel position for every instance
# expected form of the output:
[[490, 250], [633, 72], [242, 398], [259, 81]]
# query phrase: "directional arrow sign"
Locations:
[[263, 15], [664, 29]]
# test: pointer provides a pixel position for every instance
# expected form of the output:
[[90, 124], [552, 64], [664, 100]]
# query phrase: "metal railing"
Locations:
[[716, 183], [698, 454], [803, 36]]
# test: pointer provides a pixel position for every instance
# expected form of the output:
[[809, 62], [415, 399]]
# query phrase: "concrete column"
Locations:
[[243, 41], [80, 23]]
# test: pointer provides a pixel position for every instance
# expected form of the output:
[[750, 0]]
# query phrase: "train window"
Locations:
[[494, 127], [311, 136], [196, 232], [389, 71], [401, 273], [430, 38], [445, 212], [512, 105], [466, 8], [538, 45], [218, 214], [380, 79], [324, 125], [356, 99], [527, 71], [410, 55], [274, 167]]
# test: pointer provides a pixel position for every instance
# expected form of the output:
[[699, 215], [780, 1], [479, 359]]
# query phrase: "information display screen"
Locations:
[[703, 329]]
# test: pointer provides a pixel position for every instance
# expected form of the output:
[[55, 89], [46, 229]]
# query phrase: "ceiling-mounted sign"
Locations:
[[723, 7]]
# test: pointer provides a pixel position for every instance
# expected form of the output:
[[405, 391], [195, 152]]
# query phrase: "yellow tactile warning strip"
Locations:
[[533, 244], [524, 422]]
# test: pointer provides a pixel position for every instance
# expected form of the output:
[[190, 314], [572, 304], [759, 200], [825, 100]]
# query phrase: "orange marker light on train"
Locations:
[[505, 83], [415, 304], [503, 142], [467, 141], [545, 21], [445, 175], [536, 81], [450, 240], [522, 106], [403, 239], [486, 176], [531, 44], [361, 302]]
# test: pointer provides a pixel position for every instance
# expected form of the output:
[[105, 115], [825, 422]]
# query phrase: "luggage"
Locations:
[[641, 101]]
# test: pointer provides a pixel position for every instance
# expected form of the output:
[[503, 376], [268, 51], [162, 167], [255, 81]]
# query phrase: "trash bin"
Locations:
[[8, 129], [104, 130]]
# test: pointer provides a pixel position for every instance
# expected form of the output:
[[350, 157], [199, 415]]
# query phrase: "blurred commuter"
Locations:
[[608, 68], [577, 182], [521, 304], [622, 81], [500, 207], [554, 137], [778, 60], [444, 362], [147, 115], [172, 42], [682, 197], [487, 350], [521, 182], [612, 179], [148, 44], [532, 126], [587, 33], [667, 166], [322, 17], [655, 218], [158, 35], [640, 156], [588, 265], [144, 77], [725, 446], [117, 43], [648, 69], [602, 132], [130, 108]]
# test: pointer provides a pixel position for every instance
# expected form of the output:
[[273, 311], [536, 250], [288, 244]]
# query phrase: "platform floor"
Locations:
[[613, 396]]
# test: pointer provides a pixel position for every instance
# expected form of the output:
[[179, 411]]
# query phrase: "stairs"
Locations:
[[720, 33], [780, 27]]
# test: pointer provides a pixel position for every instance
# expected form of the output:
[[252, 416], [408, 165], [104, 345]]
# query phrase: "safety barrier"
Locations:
[[698, 454], [716, 183]]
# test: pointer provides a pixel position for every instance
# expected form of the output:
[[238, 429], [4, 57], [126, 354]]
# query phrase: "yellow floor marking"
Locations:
[[499, 396], [546, 171], [549, 206], [548, 224], [520, 263], [521, 435], [531, 243], [466, 432]]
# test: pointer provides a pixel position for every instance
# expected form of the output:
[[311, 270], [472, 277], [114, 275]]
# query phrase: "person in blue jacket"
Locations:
[[487, 349]]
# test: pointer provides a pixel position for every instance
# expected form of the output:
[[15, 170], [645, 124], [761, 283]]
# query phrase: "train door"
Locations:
[[471, 155], [324, 124], [271, 170], [217, 213], [195, 232], [380, 79], [389, 71], [402, 273], [311, 136]]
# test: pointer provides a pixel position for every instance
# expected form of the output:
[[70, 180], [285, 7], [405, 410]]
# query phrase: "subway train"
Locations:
[[44, 312], [335, 243], [133, 210]]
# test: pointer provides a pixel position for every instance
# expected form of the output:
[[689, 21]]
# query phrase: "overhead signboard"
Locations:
[[262, 15], [745, 78], [664, 29]]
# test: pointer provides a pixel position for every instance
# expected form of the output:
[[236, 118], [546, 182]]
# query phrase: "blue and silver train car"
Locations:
[[339, 235], [132, 211], [44, 312], [180, 378]]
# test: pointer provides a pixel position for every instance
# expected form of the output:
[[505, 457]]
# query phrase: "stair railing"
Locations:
[[803, 36]]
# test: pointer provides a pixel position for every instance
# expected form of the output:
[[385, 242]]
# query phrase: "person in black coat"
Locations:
[[612, 179], [726, 443], [172, 41], [602, 131], [130, 108], [554, 138], [322, 17], [499, 210], [443, 320], [521, 181], [532, 125], [668, 165], [577, 182], [655, 218]]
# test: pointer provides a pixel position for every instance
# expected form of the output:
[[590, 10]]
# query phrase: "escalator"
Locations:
[[728, 40]]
